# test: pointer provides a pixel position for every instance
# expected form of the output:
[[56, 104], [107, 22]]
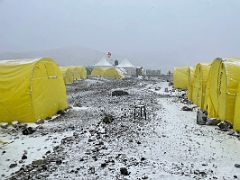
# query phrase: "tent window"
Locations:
[[51, 72]]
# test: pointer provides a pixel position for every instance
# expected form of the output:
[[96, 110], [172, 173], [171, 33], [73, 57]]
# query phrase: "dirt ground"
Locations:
[[99, 138]]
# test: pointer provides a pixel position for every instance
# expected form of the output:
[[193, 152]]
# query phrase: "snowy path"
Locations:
[[169, 145], [186, 149]]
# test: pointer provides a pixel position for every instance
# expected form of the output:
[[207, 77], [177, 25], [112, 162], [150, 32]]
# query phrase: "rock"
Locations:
[[15, 124], [235, 177], [61, 112], [3, 152], [138, 142], [224, 126], [48, 152], [95, 158], [37, 162], [103, 165], [212, 122], [108, 119], [145, 177], [41, 121], [143, 159], [120, 93], [28, 130], [13, 165], [22, 125], [24, 156], [91, 170], [201, 117], [237, 165], [59, 161], [20, 162], [124, 171], [186, 108], [4, 125]]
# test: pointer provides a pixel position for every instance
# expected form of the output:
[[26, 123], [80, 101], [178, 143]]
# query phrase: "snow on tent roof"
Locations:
[[103, 63], [125, 63], [18, 61]]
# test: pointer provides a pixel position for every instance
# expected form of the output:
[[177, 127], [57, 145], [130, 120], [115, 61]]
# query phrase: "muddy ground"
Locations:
[[99, 138]]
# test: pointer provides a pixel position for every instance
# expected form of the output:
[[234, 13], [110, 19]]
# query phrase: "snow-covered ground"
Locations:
[[168, 145]]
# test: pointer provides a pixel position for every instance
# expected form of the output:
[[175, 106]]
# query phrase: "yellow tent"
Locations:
[[98, 71], [236, 122], [228, 84], [211, 100], [82, 72], [107, 72], [113, 73], [67, 74], [76, 74], [190, 82], [180, 77], [30, 90], [199, 84]]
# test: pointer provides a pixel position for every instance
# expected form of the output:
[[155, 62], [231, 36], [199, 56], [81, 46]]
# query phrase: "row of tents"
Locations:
[[34, 89], [103, 69], [214, 87], [73, 73]]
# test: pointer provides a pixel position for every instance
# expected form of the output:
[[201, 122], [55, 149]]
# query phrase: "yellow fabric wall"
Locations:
[[98, 71], [236, 122], [67, 75], [211, 103], [30, 90], [200, 83], [180, 77], [113, 73], [190, 82], [82, 72], [229, 79]]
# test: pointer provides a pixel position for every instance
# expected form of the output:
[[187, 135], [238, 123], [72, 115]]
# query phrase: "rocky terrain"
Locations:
[[104, 135]]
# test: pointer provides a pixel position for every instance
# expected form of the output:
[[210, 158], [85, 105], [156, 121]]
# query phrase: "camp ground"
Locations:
[[113, 120], [120, 90]]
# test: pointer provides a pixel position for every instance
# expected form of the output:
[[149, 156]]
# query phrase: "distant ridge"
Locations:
[[63, 56]]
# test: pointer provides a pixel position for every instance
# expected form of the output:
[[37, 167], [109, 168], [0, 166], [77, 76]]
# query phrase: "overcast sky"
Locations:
[[154, 32]]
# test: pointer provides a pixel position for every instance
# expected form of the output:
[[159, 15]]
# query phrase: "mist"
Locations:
[[151, 33]]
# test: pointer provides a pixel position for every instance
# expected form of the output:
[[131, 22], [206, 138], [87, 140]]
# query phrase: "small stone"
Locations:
[[237, 165], [91, 170], [24, 156], [59, 161], [20, 162], [212, 122], [4, 125], [103, 165], [3, 152], [143, 159], [13, 165], [41, 121], [145, 177], [28, 130], [235, 177], [48, 152], [124, 171], [186, 108], [138, 142]]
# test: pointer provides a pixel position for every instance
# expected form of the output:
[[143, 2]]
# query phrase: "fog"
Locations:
[[152, 33]]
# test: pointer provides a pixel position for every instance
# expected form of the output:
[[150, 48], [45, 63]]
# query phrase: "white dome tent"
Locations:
[[103, 63], [128, 66]]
